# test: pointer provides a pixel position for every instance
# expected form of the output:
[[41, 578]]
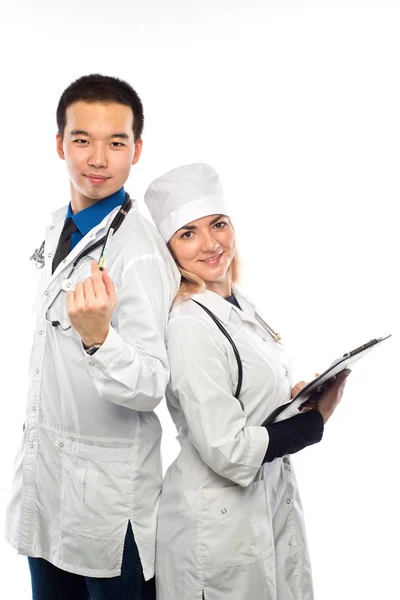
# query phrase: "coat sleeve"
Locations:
[[294, 434], [131, 367], [201, 382]]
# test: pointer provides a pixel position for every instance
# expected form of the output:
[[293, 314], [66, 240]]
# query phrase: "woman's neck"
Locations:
[[222, 288]]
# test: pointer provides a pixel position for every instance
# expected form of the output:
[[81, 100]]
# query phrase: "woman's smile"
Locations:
[[213, 260]]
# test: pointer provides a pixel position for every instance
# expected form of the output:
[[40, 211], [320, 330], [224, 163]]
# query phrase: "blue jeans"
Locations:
[[51, 583]]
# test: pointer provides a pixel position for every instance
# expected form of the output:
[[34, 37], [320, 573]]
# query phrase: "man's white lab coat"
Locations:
[[89, 460]]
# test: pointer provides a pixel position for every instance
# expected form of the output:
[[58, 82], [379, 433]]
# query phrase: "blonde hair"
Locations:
[[192, 284]]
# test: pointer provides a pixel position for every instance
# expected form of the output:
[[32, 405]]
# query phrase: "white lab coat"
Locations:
[[89, 460], [228, 527]]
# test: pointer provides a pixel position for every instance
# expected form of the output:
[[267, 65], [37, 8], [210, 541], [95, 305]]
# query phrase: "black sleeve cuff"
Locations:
[[294, 434]]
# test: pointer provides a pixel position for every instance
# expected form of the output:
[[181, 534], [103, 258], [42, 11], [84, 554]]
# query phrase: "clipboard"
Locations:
[[301, 402]]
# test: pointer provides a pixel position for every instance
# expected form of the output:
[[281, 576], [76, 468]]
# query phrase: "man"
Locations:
[[88, 472]]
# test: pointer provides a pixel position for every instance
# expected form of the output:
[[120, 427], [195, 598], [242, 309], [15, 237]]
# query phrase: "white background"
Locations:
[[296, 104]]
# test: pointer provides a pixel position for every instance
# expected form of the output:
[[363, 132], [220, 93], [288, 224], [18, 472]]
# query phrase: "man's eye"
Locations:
[[117, 144]]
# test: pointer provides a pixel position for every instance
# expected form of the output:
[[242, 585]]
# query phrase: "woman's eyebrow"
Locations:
[[188, 227], [193, 227], [216, 219]]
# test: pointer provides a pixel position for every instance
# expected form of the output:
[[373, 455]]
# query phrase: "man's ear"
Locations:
[[59, 146], [138, 151]]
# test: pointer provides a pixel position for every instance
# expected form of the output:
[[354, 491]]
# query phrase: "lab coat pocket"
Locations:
[[97, 489], [236, 525]]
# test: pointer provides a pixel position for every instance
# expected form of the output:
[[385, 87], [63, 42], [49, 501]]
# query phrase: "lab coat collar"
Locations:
[[90, 238], [90, 216], [248, 308], [216, 303], [59, 215], [222, 308]]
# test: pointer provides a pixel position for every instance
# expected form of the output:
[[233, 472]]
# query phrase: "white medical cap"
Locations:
[[183, 195]]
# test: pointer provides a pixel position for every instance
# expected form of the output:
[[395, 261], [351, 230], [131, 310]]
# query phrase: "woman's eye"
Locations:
[[187, 235], [220, 224]]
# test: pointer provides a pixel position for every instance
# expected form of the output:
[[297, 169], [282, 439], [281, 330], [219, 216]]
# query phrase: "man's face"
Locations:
[[98, 148]]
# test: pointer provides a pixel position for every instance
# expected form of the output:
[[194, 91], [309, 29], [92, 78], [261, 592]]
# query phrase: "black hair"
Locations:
[[101, 88]]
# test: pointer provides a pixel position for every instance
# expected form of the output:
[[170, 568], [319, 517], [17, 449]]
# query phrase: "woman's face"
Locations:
[[205, 247]]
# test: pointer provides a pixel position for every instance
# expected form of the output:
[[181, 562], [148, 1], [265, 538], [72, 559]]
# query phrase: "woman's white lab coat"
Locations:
[[228, 528]]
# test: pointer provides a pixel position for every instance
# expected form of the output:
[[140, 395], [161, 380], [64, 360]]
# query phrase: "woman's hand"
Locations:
[[308, 404], [297, 388], [329, 400]]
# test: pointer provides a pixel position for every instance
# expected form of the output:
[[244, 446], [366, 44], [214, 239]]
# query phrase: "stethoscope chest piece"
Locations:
[[38, 257]]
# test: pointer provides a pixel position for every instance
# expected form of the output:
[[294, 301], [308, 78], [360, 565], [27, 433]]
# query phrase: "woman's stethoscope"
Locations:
[[38, 255], [273, 334]]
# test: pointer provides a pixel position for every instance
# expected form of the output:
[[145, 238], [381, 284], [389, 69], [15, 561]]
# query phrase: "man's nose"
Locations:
[[98, 158]]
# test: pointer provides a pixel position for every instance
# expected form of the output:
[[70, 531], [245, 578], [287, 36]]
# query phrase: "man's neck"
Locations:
[[79, 201]]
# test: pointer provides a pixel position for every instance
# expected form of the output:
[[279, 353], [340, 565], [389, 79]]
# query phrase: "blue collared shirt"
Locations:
[[91, 216]]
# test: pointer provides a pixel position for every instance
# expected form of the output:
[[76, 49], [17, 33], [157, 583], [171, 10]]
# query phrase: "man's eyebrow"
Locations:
[[121, 136], [79, 132]]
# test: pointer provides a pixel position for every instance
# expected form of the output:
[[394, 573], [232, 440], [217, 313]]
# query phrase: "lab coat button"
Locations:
[[91, 364], [46, 293], [37, 370], [61, 445], [224, 511], [33, 408], [264, 339], [285, 459], [286, 373], [49, 255], [288, 501], [32, 445], [40, 332], [51, 227]]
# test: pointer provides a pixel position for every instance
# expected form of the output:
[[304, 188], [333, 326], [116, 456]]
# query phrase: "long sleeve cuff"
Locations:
[[294, 434]]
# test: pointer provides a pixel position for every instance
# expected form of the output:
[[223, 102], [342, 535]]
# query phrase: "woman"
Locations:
[[230, 520]]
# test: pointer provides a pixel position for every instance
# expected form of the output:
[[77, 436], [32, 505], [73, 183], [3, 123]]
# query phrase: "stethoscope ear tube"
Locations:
[[38, 255], [235, 350], [116, 224]]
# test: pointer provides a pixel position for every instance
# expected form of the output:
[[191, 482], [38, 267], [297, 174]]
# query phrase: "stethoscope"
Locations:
[[38, 255], [273, 334]]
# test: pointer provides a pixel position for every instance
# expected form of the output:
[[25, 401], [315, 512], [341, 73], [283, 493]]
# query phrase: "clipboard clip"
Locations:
[[363, 347]]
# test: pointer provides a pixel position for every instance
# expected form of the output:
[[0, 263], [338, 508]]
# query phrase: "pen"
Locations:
[[103, 257]]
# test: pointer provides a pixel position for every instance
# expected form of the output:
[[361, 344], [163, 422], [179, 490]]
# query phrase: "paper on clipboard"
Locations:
[[317, 385]]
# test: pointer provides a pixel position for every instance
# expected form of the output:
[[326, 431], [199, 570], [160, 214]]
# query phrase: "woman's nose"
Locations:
[[209, 243]]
